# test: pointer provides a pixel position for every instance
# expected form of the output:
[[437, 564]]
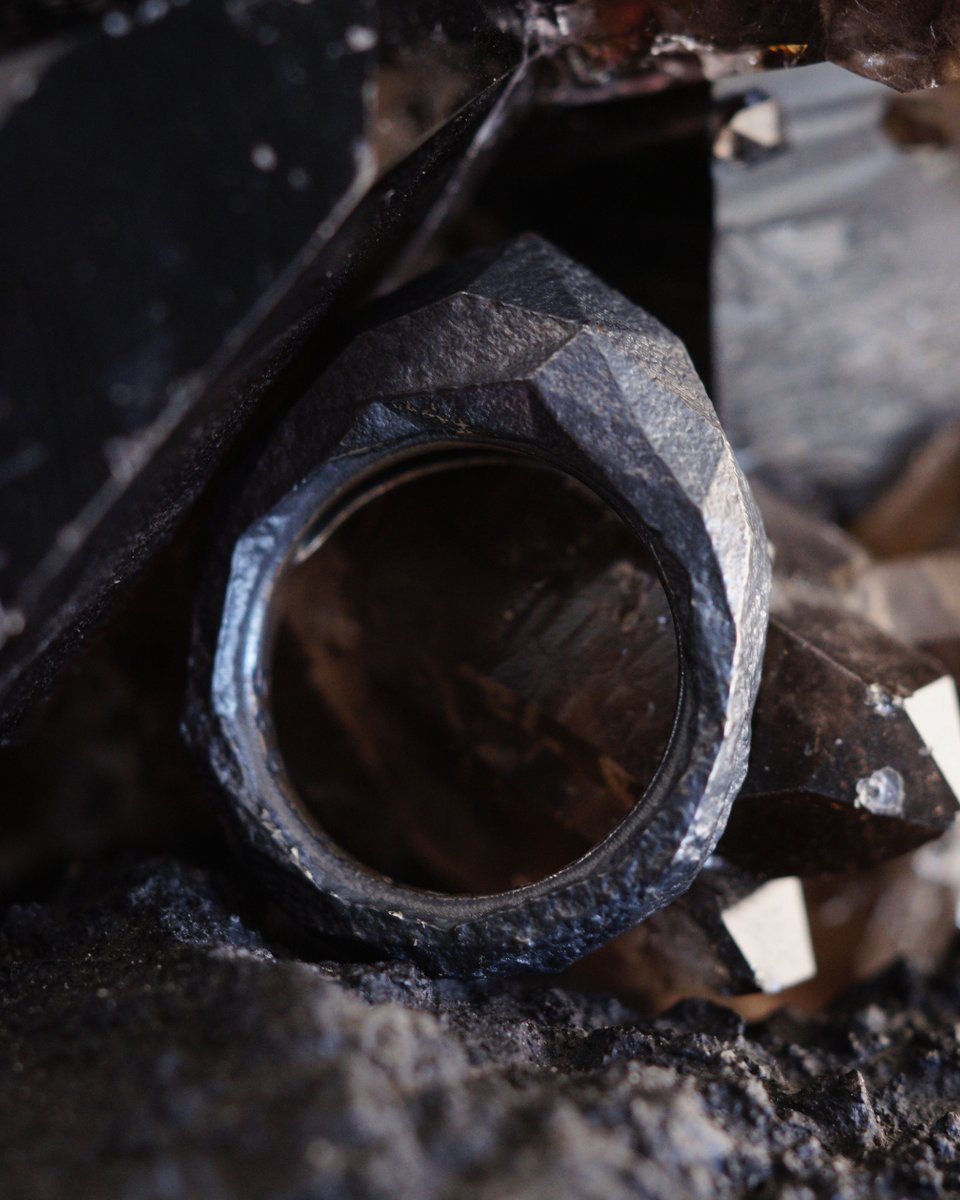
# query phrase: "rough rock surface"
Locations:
[[153, 1045]]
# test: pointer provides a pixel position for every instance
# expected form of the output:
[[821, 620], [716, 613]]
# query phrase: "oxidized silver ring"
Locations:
[[520, 356]]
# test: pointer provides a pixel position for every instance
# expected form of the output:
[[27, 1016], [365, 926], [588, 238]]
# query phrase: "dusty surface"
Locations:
[[154, 1046]]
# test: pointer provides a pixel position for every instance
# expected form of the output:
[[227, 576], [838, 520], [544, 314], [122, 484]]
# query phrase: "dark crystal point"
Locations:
[[840, 771], [194, 191]]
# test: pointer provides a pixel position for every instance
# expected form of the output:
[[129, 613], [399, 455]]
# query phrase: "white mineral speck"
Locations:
[[152, 10], [883, 704], [264, 157], [360, 38], [116, 24], [69, 537], [298, 178], [882, 793], [14, 622]]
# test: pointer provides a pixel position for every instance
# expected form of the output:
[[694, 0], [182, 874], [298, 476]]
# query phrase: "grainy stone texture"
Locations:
[[154, 1046]]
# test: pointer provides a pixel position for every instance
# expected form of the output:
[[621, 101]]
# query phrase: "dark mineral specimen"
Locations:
[[841, 774]]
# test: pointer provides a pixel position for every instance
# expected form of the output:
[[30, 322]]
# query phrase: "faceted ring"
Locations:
[[519, 355]]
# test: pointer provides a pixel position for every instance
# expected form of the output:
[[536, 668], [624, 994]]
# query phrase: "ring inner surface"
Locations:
[[474, 677]]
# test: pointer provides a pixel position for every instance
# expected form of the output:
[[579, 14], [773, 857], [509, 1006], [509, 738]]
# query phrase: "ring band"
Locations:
[[528, 357]]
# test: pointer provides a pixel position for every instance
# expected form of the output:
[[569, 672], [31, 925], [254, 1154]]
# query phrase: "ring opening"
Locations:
[[475, 675]]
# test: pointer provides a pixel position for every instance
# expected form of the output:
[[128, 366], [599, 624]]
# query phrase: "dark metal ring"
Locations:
[[529, 357]]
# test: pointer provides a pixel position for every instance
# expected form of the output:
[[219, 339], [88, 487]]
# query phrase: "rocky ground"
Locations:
[[154, 1045]]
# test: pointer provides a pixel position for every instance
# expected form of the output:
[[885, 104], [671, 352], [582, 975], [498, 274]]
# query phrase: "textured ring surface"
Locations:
[[518, 353]]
